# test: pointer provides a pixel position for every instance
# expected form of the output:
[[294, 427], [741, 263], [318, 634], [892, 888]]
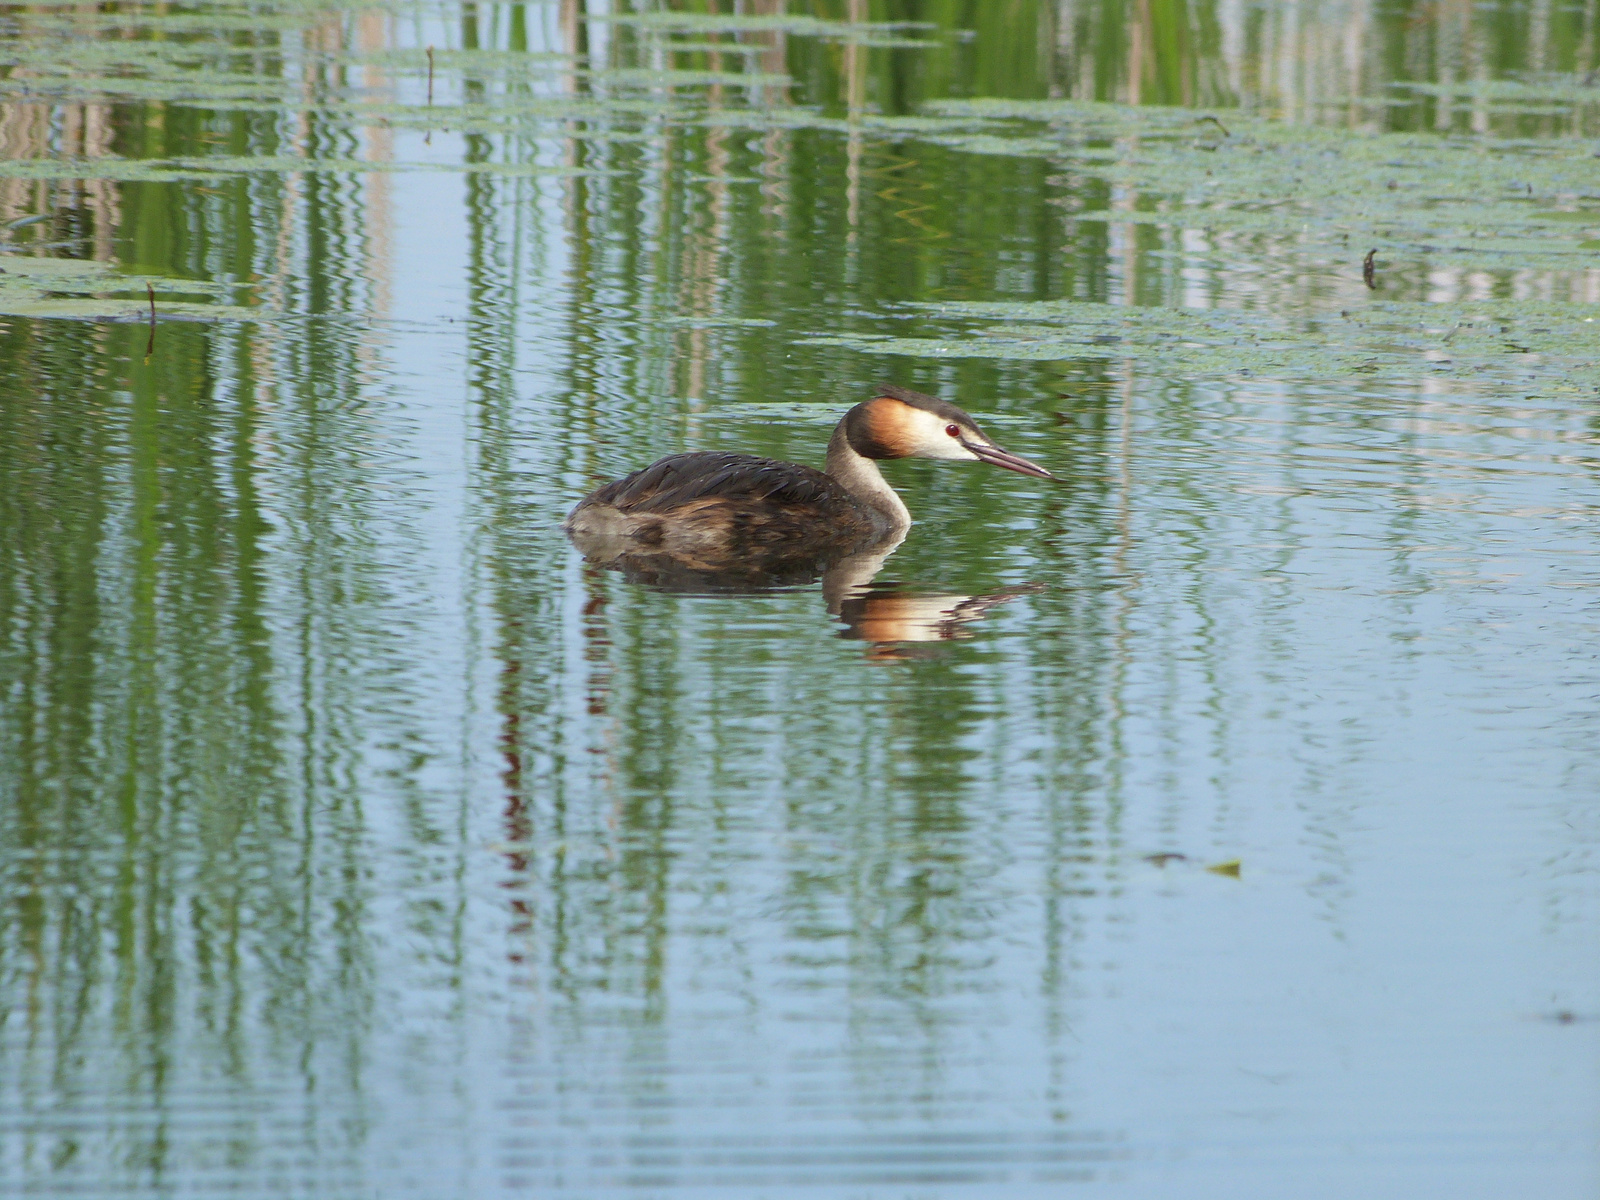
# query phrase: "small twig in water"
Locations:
[[150, 346], [1369, 269], [427, 138], [1214, 121], [24, 222]]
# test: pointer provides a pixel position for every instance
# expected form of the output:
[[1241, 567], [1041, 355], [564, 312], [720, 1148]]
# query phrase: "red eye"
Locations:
[[953, 430]]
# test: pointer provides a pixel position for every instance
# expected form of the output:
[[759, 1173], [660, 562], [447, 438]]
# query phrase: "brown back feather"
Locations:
[[681, 479]]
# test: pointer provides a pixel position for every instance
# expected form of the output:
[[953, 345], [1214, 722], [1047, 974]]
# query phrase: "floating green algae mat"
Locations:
[[83, 289], [1565, 92], [1445, 192], [130, 170], [1547, 345], [793, 23], [1423, 201], [1478, 207]]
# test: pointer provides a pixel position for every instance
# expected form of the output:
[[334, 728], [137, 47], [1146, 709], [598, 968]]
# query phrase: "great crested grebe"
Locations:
[[711, 507]]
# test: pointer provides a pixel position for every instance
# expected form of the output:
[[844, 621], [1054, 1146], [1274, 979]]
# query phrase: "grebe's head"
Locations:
[[900, 423]]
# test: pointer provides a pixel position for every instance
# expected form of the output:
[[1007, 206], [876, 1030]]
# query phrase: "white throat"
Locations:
[[859, 475]]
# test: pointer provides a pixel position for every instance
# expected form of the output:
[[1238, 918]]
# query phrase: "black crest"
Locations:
[[942, 409]]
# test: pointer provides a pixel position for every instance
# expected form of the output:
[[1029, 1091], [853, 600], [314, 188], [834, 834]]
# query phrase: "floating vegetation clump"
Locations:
[[1552, 345], [1478, 199], [86, 290], [1551, 93], [131, 170], [1484, 208], [1475, 203], [790, 23]]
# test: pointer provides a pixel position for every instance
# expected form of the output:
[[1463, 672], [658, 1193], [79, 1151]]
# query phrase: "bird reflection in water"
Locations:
[[899, 620]]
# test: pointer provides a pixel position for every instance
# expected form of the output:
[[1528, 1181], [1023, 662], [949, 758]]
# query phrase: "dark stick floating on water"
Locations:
[[719, 507], [150, 346], [427, 138], [1369, 269]]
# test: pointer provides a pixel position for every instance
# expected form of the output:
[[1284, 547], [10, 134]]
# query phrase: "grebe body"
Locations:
[[710, 509]]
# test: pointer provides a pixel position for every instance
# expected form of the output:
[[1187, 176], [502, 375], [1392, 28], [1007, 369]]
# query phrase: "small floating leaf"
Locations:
[[1230, 868], [1161, 860]]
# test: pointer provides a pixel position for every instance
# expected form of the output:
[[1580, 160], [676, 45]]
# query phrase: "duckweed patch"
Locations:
[[1437, 194], [1544, 346], [87, 290], [130, 170], [1472, 203], [789, 23], [1562, 94], [1484, 207]]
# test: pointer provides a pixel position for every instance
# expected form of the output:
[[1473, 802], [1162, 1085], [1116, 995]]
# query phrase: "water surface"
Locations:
[[1219, 821]]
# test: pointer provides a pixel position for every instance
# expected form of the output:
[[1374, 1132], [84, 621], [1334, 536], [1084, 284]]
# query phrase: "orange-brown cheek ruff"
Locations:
[[884, 429]]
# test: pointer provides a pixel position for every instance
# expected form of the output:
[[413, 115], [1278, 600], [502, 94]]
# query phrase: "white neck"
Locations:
[[859, 475]]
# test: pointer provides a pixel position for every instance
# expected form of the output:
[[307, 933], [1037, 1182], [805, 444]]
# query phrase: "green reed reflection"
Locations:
[[192, 637]]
